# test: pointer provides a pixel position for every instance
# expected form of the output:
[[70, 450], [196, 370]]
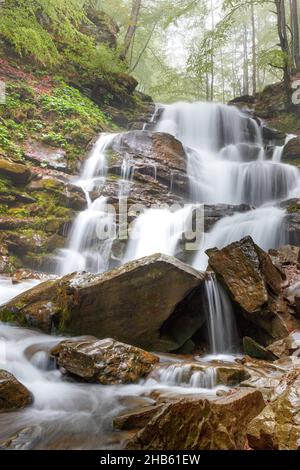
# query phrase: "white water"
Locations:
[[158, 231], [87, 250], [265, 225], [9, 290], [222, 330], [70, 415], [184, 375], [219, 143], [226, 163]]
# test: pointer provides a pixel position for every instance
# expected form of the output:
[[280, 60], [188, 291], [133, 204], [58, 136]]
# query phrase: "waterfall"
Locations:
[[226, 159], [226, 163], [265, 225], [184, 375], [221, 323], [87, 250], [158, 231], [91, 240]]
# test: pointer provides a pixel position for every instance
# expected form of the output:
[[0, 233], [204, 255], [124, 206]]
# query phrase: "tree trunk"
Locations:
[[284, 44], [246, 65], [212, 53], [222, 75], [134, 16], [295, 34], [253, 50]]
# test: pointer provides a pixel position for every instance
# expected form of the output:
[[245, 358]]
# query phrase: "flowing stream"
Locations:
[[226, 163]]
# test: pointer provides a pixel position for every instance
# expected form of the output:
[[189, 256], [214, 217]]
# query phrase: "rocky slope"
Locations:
[[48, 123]]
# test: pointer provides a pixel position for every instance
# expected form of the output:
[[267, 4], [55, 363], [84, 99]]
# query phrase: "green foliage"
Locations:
[[67, 101], [48, 31], [60, 117], [37, 27], [54, 139]]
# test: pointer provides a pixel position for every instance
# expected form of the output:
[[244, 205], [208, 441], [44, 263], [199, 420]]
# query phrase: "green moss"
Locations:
[[8, 315], [3, 209], [287, 123], [293, 208], [19, 212], [5, 185]]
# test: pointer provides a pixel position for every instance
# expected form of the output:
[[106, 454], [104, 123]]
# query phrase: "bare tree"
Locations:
[[245, 65], [133, 22], [254, 71], [295, 34], [212, 52], [284, 43]]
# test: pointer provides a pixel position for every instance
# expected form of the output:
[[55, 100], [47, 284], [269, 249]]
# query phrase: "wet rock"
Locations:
[[67, 194], [104, 361], [156, 154], [270, 134], [286, 347], [256, 286], [285, 255], [130, 303], [291, 151], [136, 419], [42, 154], [17, 173], [13, 395], [277, 427], [292, 221], [200, 424], [247, 272], [253, 349], [214, 213]]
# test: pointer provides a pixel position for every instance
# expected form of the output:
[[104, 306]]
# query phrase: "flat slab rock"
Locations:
[[131, 304], [200, 424], [106, 361], [13, 395]]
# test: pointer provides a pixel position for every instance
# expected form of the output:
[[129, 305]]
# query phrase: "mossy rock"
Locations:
[[17, 173]]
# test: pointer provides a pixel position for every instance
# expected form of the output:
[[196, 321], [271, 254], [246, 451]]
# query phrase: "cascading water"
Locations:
[[265, 225], [226, 163], [91, 234], [226, 159], [157, 231], [221, 323]]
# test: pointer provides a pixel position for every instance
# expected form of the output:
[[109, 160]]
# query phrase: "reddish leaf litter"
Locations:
[[39, 84]]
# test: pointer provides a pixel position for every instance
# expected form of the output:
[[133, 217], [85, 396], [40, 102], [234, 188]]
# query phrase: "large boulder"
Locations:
[[13, 394], [257, 288], [277, 427], [104, 361], [193, 424], [138, 303], [247, 272]]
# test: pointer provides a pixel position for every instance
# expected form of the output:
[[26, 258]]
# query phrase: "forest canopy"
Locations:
[[176, 49]]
